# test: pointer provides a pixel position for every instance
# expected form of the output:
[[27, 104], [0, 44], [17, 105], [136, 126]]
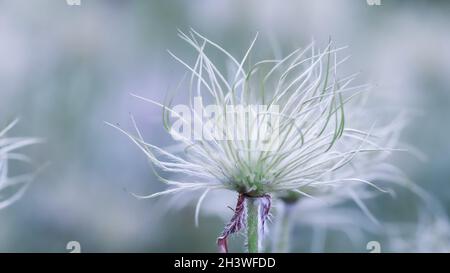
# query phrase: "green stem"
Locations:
[[252, 225], [283, 229]]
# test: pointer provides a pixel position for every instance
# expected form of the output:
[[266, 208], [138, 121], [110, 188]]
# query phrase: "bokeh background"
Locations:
[[64, 70]]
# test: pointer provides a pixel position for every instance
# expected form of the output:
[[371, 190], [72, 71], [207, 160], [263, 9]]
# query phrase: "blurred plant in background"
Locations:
[[328, 212], [430, 234], [368, 165]]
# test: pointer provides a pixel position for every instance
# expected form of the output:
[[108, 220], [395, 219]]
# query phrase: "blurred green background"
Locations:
[[64, 70]]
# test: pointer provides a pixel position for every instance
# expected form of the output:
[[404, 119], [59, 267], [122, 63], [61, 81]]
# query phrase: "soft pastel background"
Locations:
[[64, 70]]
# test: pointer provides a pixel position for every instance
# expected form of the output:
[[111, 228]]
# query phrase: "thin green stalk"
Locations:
[[281, 243], [252, 225]]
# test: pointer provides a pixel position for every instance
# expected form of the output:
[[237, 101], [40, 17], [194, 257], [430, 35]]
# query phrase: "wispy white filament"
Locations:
[[12, 188]]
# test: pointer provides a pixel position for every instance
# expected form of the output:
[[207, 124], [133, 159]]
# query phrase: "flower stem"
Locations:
[[253, 225], [283, 228]]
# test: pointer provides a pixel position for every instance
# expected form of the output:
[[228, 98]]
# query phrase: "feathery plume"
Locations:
[[273, 128]]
